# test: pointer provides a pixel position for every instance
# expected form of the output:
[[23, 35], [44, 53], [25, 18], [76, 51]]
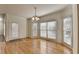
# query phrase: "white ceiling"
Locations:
[[27, 10]]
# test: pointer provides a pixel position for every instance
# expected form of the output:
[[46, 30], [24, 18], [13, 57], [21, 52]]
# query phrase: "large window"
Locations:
[[51, 29], [67, 30], [43, 29], [48, 29], [34, 29]]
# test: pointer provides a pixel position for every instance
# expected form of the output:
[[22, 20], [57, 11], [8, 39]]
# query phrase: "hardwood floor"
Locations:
[[34, 46]]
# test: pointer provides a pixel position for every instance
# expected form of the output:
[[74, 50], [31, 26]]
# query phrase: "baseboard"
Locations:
[[28, 37], [66, 45], [18, 39], [53, 40]]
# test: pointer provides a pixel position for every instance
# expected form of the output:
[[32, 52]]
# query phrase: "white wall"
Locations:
[[21, 21]]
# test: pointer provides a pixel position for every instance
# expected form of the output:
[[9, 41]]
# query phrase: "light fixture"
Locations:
[[35, 18]]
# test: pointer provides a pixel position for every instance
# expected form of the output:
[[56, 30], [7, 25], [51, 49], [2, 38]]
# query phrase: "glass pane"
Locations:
[[34, 29], [52, 25], [52, 34], [43, 29], [68, 30], [52, 29], [43, 33], [43, 26]]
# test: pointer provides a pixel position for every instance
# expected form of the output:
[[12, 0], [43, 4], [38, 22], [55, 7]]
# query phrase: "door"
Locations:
[[14, 31]]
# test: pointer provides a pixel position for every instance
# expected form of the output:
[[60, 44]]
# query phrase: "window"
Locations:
[[48, 29], [34, 29], [67, 30], [52, 29], [43, 29]]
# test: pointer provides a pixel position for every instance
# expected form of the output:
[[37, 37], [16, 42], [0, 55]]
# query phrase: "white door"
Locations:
[[14, 30]]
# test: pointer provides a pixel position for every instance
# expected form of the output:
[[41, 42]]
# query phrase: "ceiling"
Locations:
[[27, 10]]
